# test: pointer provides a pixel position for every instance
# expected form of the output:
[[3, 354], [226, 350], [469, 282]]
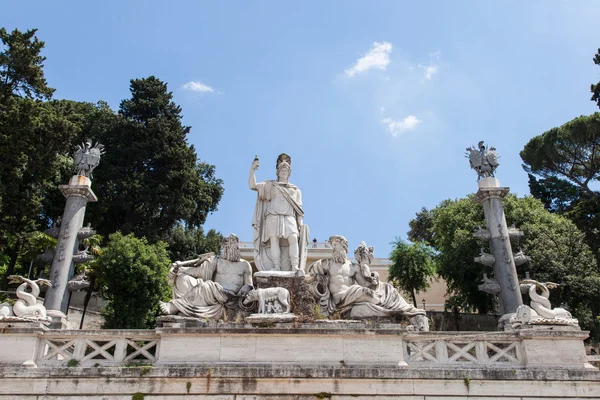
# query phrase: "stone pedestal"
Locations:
[[490, 195], [78, 192], [301, 300], [19, 342]]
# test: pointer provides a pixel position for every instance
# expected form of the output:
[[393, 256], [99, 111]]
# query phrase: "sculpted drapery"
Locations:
[[280, 238], [194, 292], [278, 206]]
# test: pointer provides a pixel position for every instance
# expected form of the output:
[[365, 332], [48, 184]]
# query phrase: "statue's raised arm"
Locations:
[[252, 177]]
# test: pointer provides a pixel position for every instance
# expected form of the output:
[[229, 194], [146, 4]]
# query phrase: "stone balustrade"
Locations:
[[336, 360], [321, 343], [98, 348]]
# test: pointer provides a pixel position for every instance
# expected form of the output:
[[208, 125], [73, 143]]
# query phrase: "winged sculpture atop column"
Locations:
[[87, 157], [483, 160]]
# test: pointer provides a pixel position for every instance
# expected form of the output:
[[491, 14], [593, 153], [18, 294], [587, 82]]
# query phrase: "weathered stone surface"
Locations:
[[256, 319], [302, 302], [295, 382]]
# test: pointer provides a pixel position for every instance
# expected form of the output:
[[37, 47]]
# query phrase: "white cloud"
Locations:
[[197, 87], [430, 70], [377, 57], [397, 127]]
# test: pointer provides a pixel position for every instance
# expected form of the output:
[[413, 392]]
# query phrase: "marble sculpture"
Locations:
[[26, 308], [540, 311], [87, 157], [347, 287], [483, 160], [273, 300], [208, 286], [280, 237]]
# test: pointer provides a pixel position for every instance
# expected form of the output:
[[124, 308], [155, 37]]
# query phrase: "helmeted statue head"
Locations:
[[230, 248], [283, 157], [284, 165]]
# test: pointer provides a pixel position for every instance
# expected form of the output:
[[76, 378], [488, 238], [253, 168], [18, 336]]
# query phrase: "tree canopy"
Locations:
[[596, 87], [133, 276], [21, 66], [150, 182], [557, 248], [564, 169], [150, 177], [570, 152], [413, 266]]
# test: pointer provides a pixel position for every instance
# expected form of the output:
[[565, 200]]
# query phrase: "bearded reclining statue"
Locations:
[[210, 285], [351, 289]]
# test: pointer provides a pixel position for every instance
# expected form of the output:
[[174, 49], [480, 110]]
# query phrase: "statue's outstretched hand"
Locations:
[[255, 164]]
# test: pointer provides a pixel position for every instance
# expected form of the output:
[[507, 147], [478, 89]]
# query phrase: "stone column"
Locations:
[[78, 192], [490, 195]]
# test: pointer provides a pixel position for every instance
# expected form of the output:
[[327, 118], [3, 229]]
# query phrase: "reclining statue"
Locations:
[[210, 285], [351, 288]]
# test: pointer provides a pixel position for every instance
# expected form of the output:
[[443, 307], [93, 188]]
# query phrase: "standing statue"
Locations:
[[483, 160], [280, 239], [347, 287], [210, 285], [87, 158]]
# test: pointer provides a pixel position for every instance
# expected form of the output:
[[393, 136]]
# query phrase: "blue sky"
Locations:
[[375, 101]]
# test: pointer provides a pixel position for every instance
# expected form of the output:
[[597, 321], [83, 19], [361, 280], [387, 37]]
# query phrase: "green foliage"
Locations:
[[34, 139], [596, 87], [145, 370], [558, 250], [150, 177], [567, 159], [187, 242], [413, 265], [133, 274], [21, 64], [571, 152], [137, 396], [72, 363]]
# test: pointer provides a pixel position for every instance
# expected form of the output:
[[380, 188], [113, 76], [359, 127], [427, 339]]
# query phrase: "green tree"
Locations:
[[133, 275], [24, 123], [596, 87], [150, 178], [187, 242], [562, 164], [570, 152], [35, 139], [557, 248], [21, 66], [413, 266]]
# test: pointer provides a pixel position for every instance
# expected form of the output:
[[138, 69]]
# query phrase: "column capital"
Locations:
[[83, 191], [486, 193]]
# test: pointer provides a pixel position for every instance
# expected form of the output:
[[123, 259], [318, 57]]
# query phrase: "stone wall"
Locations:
[[328, 360], [265, 382]]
